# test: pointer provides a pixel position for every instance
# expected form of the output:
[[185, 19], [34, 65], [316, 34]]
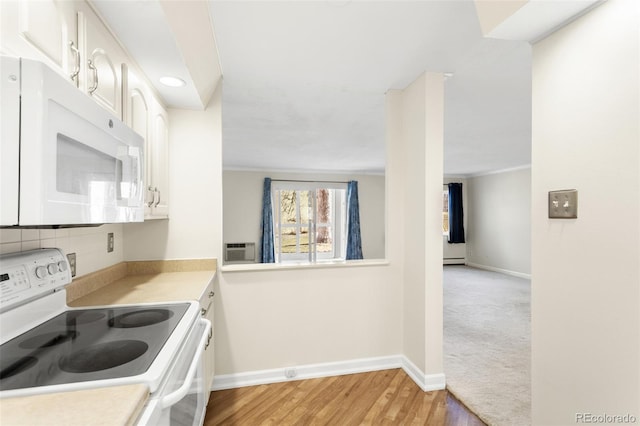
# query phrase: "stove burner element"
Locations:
[[83, 317], [12, 366], [140, 318], [103, 356], [49, 339]]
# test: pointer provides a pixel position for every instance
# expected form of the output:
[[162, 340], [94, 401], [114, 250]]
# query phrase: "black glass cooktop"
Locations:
[[88, 344]]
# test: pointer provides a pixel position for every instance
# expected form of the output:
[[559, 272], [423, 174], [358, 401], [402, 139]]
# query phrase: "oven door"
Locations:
[[182, 398]]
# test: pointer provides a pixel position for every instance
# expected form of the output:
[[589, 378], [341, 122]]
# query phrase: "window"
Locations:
[[445, 212], [309, 221]]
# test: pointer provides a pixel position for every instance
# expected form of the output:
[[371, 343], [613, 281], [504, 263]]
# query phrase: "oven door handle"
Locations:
[[181, 392]]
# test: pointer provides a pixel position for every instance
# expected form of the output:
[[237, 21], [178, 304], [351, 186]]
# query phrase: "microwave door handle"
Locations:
[[181, 392]]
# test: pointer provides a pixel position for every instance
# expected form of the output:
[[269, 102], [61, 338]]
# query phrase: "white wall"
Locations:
[[242, 206], [276, 319], [88, 243], [585, 276], [415, 143], [194, 228], [499, 226], [456, 253]]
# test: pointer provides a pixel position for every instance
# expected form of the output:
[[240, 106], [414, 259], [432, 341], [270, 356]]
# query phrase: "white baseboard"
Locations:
[[312, 371], [426, 382], [502, 271]]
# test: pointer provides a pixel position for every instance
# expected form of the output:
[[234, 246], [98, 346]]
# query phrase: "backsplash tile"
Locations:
[[89, 244], [10, 235]]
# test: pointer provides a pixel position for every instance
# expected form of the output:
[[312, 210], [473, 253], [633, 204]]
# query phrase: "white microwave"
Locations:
[[64, 159]]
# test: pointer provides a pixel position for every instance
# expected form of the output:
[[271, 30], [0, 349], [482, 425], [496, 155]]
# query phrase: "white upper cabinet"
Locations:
[[158, 164], [100, 75], [144, 114], [43, 30]]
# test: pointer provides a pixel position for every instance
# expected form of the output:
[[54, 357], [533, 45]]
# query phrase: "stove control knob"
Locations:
[[41, 272], [52, 268], [62, 266]]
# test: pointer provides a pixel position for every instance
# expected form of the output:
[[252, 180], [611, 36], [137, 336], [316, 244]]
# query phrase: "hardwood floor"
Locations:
[[387, 397]]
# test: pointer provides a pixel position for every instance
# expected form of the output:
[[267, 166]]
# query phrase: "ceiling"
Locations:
[[305, 81]]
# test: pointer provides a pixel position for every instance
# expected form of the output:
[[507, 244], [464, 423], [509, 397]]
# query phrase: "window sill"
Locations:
[[248, 267]]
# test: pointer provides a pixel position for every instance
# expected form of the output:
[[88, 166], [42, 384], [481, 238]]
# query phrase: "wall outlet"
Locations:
[[109, 242], [290, 373], [71, 257]]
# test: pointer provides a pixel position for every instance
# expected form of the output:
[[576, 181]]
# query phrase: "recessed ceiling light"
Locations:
[[172, 81]]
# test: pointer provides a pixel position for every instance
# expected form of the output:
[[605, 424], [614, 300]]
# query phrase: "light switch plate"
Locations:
[[563, 204]]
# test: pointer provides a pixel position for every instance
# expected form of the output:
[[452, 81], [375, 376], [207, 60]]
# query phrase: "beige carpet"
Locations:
[[487, 343]]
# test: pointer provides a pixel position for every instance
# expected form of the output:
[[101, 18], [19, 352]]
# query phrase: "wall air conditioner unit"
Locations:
[[239, 253]]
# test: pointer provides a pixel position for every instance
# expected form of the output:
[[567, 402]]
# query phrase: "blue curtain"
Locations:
[[354, 239], [268, 252], [456, 216]]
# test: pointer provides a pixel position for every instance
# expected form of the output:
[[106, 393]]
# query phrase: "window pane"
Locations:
[[324, 199], [288, 206], [305, 206], [289, 238], [304, 240], [324, 239]]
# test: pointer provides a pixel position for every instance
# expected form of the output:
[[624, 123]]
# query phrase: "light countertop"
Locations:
[[117, 405], [160, 287]]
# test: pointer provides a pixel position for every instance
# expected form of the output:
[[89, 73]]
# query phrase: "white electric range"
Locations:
[[45, 346]]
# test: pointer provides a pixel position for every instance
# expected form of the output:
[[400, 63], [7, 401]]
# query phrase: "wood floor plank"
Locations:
[[363, 398], [304, 388], [378, 410], [387, 397], [420, 408]]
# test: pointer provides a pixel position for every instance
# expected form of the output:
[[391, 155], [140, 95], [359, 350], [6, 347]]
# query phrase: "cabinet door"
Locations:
[[159, 162], [136, 110], [102, 58], [42, 30]]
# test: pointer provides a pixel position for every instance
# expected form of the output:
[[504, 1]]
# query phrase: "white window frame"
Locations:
[[338, 219]]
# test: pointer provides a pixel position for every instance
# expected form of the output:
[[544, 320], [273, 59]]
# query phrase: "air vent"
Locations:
[[240, 253]]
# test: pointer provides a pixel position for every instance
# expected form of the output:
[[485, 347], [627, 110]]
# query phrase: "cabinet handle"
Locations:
[[159, 197], [211, 294], [209, 337], [76, 66], [95, 77], [203, 312], [150, 189]]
